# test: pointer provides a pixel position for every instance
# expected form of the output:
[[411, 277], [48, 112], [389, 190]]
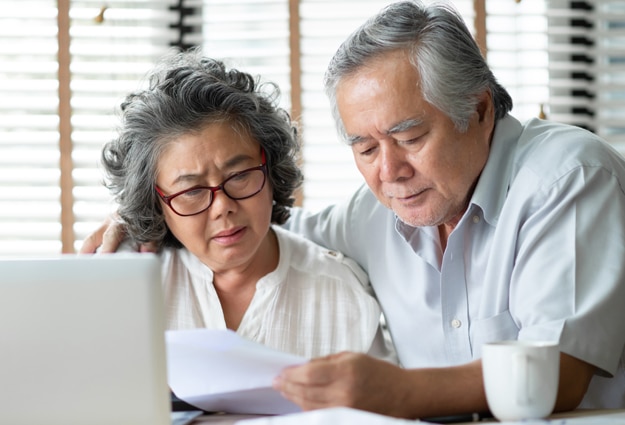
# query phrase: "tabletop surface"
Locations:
[[577, 417]]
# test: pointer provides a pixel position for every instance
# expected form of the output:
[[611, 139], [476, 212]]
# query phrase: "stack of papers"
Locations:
[[218, 371]]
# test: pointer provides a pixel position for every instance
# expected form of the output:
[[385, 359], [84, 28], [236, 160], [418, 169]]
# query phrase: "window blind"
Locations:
[[29, 156], [251, 35], [518, 54], [565, 58], [109, 57], [587, 66]]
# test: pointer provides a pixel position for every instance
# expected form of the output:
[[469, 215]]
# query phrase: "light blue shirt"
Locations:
[[539, 254]]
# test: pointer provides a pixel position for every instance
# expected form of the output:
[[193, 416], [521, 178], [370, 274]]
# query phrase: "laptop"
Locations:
[[82, 342]]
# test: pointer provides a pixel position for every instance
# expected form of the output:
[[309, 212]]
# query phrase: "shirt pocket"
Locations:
[[496, 328]]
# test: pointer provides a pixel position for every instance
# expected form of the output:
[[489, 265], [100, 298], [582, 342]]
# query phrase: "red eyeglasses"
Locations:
[[196, 200]]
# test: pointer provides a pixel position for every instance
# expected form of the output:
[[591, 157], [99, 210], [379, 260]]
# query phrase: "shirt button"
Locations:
[[456, 323], [476, 219]]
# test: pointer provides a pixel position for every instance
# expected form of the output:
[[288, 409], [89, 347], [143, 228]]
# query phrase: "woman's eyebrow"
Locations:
[[236, 160], [229, 164]]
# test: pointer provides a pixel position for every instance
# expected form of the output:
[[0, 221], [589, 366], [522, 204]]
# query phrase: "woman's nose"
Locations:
[[222, 204]]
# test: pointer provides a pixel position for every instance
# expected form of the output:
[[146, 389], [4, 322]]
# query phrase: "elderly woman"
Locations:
[[205, 165]]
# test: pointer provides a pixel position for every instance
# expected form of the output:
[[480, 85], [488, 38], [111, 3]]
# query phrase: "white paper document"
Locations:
[[330, 416], [217, 370]]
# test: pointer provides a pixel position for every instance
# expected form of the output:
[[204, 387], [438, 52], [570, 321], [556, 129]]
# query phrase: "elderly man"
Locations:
[[472, 227]]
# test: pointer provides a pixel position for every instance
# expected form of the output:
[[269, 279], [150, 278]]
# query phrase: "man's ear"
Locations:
[[485, 107], [485, 110]]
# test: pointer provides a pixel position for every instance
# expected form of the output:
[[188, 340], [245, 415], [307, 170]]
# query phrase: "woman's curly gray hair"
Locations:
[[186, 92]]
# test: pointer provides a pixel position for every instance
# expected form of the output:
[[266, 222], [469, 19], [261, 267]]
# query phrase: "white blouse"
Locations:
[[316, 302]]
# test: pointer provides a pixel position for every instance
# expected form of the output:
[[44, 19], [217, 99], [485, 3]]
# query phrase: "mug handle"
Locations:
[[521, 365]]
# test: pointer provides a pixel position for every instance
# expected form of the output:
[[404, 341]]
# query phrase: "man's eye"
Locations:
[[418, 139], [410, 141], [367, 152]]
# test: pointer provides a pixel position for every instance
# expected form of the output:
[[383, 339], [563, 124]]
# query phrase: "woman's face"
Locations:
[[230, 233]]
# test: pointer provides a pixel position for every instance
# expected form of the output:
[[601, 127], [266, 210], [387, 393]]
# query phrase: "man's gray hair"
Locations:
[[452, 70]]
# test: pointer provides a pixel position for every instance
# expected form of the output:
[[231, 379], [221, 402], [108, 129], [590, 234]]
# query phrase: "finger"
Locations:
[[307, 404], [307, 397], [316, 384], [112, 237], [148, 247], [91, 243], [315, 372]]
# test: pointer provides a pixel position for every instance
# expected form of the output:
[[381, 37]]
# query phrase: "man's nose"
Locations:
[[393, 164]]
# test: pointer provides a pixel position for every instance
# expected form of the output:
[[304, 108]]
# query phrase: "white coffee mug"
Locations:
[[521, 378]]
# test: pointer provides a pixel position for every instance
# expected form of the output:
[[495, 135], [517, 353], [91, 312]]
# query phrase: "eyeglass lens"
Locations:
[[239, 186]]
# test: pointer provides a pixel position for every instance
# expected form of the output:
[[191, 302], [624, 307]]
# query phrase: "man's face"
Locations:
[[409, 152]]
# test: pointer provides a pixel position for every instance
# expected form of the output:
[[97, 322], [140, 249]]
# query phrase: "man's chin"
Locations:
[[414, 217]]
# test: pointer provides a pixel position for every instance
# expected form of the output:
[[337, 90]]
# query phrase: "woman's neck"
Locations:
[[236, 287]]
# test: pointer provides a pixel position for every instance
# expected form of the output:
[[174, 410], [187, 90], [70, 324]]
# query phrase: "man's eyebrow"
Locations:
[[351, 140], [397, 128], [404, 126]]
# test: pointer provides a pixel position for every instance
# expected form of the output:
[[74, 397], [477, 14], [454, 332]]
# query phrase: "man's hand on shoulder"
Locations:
[[107, 237]]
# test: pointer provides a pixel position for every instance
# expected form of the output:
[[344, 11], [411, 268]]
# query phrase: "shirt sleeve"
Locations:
[[568, 282], [341, 227]]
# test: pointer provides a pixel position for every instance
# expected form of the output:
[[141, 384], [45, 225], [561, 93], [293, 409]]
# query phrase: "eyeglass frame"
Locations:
[[168, 198]]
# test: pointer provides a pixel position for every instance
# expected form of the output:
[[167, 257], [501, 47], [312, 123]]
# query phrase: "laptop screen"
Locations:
[[82, 341]]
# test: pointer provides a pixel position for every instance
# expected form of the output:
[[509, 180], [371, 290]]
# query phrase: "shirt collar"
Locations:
[[492, 187]]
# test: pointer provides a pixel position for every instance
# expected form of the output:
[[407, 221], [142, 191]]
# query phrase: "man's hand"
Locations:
[[344, 379], [362, 382], [107, 237]]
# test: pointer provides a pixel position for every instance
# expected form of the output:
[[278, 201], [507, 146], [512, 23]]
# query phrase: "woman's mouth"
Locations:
[[230, 236]]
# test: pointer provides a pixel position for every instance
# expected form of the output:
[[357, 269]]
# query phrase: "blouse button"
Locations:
[[456, 323], [334, 254], [476, 219]]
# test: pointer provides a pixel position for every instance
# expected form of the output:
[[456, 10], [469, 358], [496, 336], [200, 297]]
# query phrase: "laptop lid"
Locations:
[[82, 341]]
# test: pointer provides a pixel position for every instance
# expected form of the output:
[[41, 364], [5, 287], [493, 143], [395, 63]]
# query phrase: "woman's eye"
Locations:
[[240, 177], [194, 193]]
